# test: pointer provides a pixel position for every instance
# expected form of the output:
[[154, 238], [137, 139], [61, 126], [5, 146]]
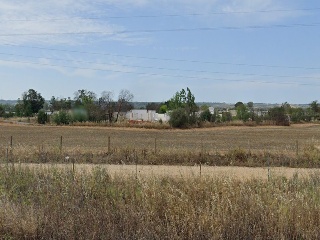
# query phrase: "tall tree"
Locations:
[[83, 97], [314, 106], [56, 104], [278, 116], [107, 104], [182, 102], [2, 111], [242, 112], [123, 104], [32, 102]]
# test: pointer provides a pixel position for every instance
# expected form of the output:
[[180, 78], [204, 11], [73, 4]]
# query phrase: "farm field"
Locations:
[[159, 184], [294, 146], [264, 138]]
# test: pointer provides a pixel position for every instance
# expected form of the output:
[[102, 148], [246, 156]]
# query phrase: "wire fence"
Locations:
[[155, 151]]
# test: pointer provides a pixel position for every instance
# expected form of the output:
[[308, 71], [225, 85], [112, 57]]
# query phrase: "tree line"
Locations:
[[85, 106], [182, 108]]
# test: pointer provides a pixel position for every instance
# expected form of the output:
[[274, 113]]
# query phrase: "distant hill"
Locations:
[[8, 102]]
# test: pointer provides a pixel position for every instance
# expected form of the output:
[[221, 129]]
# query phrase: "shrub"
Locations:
[[206, 116], [178, 118], [42, 117], [80, 115], [62, 117]]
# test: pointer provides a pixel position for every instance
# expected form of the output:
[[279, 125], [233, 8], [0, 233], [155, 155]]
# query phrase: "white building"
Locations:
[[146, 115], [163, 117], [211, 110], [141, 115]]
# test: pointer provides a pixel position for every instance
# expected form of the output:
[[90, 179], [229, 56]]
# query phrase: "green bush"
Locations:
[[42, 117], [178, 118], [206, 116], [80, 115], [62, 118]]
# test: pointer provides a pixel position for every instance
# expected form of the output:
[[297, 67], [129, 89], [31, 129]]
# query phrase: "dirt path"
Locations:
[[184, 171]]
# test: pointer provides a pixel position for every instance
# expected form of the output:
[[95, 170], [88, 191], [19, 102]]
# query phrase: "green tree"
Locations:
[[298, 115], [84, 97], [314, 109], [2, 111], [32, 102], [206, 115], [18, 108], [177, 101], [163, 109], [56, 104], [226, 117], [314, 106], [250, 105], [242, 112], [278, 116], [238, 104], [184, 100]]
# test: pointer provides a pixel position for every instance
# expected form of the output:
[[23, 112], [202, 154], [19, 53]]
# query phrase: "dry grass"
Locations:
[[221, 146], [159, 202], [151, 171], [270, 138], [58, 204]]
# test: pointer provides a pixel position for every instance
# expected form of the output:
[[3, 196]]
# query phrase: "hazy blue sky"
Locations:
[[223, 50]]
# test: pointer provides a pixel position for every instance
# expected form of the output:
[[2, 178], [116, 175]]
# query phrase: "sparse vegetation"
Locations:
[[224, 146], [185, 113], [59, 204]]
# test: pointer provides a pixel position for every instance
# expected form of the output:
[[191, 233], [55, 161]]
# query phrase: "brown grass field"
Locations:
[[265, 138], [43, 198], [294, 146]]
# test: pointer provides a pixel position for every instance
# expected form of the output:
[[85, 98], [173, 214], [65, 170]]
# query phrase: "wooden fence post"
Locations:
[[7, 156], [11, 150], [136, 158], [61, 145], [109, 140], [269, 174]]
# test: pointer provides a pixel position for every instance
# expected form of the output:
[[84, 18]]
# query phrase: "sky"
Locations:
[[264, 51]]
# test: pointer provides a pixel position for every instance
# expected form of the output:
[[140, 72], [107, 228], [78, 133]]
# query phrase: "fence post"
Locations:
[[60, 144], [73, 165], [7, 156], [136, 157], [109, 140], [11, 151], [269, 173]]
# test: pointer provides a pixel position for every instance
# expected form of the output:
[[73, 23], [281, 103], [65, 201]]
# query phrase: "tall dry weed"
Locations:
[[60, 204]]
